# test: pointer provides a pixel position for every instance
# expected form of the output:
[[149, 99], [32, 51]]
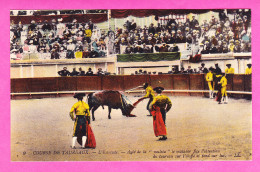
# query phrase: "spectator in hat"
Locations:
[[237, 48], [81, 72], [217, 70], [46, 25], [89, 72], [160, 105], [146, 49], [82, 119], [249, 69], [78, 53], [138, 49], [32, 47], [60, 27], [189, 70], [229, 69], [70, 50], [163, 48], [175, 48], [88, 33], [100, 72], [203, 69], [193, 22], [74, 72], [55, 54], [93, 53], [13, 54], [64, 72]]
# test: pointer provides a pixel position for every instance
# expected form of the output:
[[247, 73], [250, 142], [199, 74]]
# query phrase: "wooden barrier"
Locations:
[[67, 83], [132, 81], [20, 85], [88, 83], [197, 83], [165, 81], [229, 81], [42, 84], [181, 82], [112, 83], [248, 83], [237, 83]]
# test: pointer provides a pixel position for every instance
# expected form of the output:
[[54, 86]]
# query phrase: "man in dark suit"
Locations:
[[64, 72]]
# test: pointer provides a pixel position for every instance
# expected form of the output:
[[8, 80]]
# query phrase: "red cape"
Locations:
[[91, 141], [158, 124]]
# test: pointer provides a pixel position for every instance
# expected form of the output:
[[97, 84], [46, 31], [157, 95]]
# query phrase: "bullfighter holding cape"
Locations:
[[159, 107], [82, 131]]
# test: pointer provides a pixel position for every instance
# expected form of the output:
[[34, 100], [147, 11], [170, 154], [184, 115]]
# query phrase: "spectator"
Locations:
[[64, 72], [70, 50], [93, 53], [219, 35], [55, 54], [89, 72], [146, 49], [189, 70], [78, 53], [193, 22], [74, 72], [81, 72], [62, 53], [203, 69], [175, 48], [183, 71], [100, 72], [163, 48], [140, 72], [138, 49], [217, 70]]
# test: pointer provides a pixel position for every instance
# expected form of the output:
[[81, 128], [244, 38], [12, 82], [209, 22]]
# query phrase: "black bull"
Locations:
[[112, 99]]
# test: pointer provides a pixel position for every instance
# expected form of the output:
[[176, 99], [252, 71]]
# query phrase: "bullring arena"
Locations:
[[198, 127], [56, 54]]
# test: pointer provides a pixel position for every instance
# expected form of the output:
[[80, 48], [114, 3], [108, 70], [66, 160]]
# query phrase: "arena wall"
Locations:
[[172, 83]]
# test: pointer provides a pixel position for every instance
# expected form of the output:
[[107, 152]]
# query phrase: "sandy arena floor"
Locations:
[[198, 129]]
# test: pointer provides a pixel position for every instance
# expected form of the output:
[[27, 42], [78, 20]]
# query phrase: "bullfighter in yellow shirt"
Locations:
[[229, 69], [209, 79], [223, 82], [81, 109], [149, 94], [160, 105], [249, 69]]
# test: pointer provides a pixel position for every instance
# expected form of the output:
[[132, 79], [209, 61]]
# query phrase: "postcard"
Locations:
[[131, 85]]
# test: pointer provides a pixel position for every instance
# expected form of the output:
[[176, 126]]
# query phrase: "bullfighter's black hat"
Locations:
[[79, 95], [158, 89]]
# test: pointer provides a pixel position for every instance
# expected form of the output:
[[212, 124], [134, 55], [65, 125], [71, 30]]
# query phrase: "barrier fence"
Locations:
[[192, 84]]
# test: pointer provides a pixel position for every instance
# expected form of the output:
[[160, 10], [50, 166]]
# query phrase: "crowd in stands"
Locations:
[[80, 72], [52, 12], [217, 35], [57, 40], [175, 70], [200, 70]]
